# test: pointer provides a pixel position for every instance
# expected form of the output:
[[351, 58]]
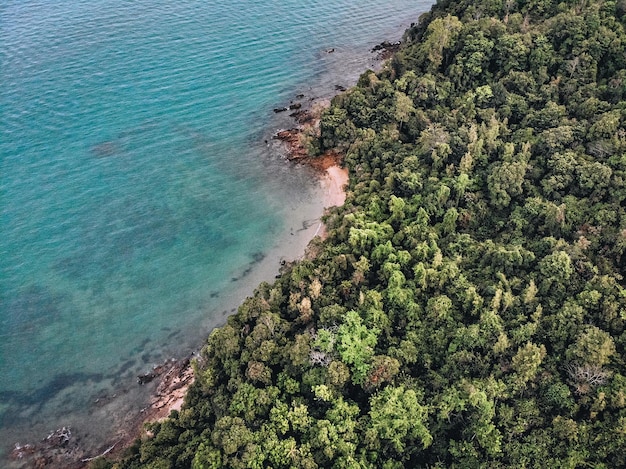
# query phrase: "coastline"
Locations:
[[170, 387], [333, 179], [279, 385], [173, 384]]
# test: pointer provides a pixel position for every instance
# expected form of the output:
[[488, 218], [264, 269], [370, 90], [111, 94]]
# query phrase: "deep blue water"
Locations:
[[139, 201]]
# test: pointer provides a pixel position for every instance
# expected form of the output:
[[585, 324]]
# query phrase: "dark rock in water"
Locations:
[[59, 438], [385, 45], [340, 88], [302, 116], [291, 107], [22, 451], [61, 382], [386, 48], [45, 393], [330, 51], [145, 378], [54, 451], [299, 96], [167, 369], [148, 377], [75, 266], [286, 134], [141, 347]]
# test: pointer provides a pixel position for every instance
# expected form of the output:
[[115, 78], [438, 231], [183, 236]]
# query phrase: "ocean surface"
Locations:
[[139, 200]]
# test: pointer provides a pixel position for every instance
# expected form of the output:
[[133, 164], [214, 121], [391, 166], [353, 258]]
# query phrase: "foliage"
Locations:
[[468, 307]]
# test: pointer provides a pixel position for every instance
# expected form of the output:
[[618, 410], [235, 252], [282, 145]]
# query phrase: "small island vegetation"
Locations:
[[468, 307]]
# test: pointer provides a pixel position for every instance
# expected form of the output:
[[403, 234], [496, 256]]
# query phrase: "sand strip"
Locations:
[[333, 184]]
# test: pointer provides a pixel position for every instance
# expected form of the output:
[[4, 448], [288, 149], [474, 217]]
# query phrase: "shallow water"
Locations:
[[139, 201]]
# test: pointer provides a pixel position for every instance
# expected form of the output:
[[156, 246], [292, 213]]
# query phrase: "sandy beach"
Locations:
[[333, 184]]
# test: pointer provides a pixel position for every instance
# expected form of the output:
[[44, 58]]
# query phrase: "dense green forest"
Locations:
[[468, 308]]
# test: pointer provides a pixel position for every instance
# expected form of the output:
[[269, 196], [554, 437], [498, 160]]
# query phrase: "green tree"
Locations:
[[441, 35], [526, 363], [398, 420], [355, 345]]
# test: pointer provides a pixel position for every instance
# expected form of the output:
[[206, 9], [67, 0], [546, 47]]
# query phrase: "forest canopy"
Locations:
[[468, 308]]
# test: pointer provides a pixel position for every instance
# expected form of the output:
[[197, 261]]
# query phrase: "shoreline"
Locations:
[[169, 387], [174, 383], [172, 388], [171, 379]]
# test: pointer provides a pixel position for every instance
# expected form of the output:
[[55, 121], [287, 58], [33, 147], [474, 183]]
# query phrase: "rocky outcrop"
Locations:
[[386, 49]]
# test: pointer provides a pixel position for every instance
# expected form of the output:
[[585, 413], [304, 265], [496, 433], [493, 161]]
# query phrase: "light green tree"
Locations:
[[398, 419]]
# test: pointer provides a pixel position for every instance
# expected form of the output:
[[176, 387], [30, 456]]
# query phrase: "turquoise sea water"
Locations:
[[139, 200]]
